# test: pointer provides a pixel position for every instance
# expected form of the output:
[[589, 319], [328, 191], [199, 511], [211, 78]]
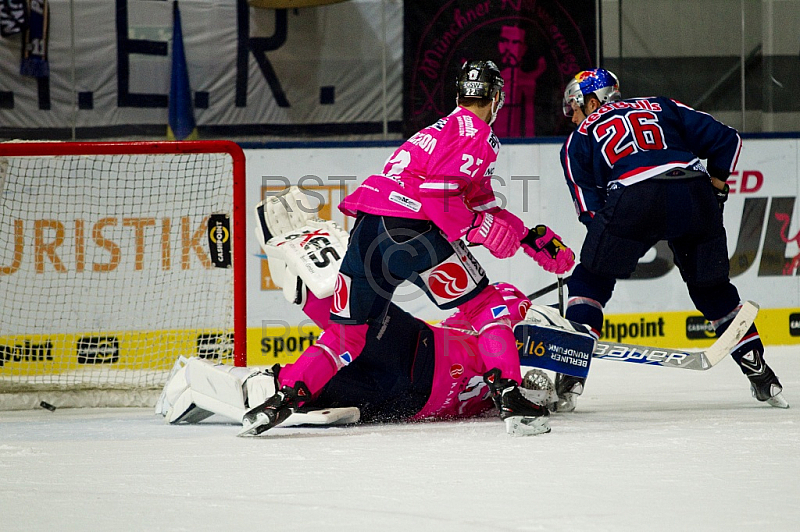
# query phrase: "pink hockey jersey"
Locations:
[[458, 388], [442, 173]]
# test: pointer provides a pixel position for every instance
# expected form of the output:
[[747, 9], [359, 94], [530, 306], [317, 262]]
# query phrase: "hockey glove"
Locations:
[[722, 196], [495, 234], [548, 250]]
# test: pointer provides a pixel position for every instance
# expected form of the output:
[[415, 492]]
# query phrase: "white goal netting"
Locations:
[[110, 269]]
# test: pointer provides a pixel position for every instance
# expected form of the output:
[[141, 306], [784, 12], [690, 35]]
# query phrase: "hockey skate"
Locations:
[[274, 410], [521, 416], [568, 388], [764, 384]]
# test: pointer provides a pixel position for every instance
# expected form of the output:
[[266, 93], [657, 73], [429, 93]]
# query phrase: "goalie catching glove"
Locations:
[[548, 250]]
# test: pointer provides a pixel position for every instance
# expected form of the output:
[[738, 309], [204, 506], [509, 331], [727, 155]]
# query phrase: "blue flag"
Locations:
[[181, 114]]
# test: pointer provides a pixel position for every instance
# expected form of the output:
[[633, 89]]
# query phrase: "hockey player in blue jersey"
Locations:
[[634, 170]]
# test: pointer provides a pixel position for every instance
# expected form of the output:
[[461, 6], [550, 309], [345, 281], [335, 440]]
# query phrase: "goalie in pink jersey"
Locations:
[[433, 191], [409, 370]]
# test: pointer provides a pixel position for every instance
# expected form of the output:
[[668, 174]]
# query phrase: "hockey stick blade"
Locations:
[[673, 358], [327, 417]]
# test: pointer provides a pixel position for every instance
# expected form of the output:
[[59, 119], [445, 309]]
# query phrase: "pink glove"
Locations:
[[548, 250], [495, 234], [509, 217]]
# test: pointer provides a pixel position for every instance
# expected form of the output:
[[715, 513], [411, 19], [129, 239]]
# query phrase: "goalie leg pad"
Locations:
[[175, 386], [217, 389], [258, 387], [185, 410]]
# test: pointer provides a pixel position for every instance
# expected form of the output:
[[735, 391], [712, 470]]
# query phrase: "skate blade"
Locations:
[[261, 424], [527, 426], [778, 401], [567, 402]]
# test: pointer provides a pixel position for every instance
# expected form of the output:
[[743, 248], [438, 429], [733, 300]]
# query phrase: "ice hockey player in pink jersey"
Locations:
[[433, 191], [433, 372]]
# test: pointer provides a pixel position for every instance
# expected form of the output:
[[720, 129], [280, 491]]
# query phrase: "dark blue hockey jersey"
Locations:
[[629, 141]]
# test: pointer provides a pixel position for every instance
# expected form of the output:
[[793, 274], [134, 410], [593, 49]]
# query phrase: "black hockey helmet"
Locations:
[[479, 79]]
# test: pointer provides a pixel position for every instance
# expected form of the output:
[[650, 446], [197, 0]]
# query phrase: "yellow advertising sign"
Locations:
[[157, 350]]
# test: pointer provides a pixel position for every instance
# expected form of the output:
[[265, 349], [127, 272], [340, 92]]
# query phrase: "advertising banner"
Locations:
[[538, 46], [652, 307], [252, 71]]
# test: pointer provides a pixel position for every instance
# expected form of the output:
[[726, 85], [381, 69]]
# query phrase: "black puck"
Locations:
[[47, 406]]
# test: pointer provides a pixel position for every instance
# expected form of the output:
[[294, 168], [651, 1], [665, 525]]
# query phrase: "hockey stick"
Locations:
[[549, 288], [671, 358], [555, 347], [321, 417], [325, 417]]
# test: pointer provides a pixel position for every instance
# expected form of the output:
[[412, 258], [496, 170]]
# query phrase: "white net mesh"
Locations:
[[106, 273]]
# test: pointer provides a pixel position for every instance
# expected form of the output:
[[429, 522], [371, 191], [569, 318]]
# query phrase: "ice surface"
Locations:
[[649, 449]]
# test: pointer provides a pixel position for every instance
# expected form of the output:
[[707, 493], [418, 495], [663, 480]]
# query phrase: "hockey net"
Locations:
[[115, 259]]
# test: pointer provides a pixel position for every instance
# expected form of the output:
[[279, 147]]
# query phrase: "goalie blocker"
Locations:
[[546, 340], [304, 252]]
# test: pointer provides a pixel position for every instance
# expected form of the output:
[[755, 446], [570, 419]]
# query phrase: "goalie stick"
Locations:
[[302, 417], [326, 417]]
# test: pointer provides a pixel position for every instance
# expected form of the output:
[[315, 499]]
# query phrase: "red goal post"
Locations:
[[116, 258]]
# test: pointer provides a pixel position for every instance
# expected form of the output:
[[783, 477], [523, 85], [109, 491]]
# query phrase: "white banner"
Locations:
[[252, 71], [763, 232]]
